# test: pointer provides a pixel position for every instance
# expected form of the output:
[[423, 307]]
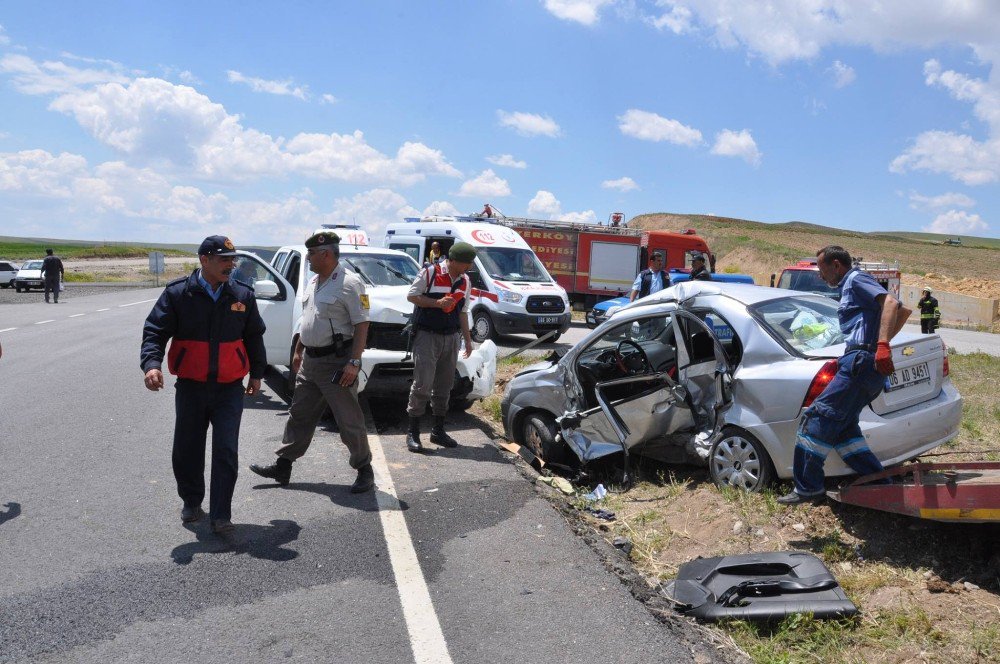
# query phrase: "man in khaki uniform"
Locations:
[[327, 358]]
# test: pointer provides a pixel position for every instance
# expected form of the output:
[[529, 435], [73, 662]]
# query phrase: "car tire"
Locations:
[[554, 338], [482, 326], [740, 460], [18, 287], [538, 431]]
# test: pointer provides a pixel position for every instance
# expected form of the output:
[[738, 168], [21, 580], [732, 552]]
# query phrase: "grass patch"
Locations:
[[491, 405], [36, 250]]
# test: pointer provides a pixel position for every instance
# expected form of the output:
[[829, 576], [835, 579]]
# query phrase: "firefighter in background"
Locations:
[[654, 278], [930, 314]]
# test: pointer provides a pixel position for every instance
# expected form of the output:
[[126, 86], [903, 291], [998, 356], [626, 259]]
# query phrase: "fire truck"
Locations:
[[804, 276], [596, 261]]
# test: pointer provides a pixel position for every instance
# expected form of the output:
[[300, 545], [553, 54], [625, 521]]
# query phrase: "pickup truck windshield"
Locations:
[[512, 264], [384, 270], [807, 281]]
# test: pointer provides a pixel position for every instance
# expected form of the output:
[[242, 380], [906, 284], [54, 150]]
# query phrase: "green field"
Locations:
[[18, 251]]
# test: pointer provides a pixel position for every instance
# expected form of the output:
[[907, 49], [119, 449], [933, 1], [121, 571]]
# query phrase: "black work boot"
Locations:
[[413, 436], [365, 481], [438, 434], [280, 471]]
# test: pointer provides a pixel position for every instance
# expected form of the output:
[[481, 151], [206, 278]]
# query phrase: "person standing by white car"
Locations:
[[439, 294], [52, 274]]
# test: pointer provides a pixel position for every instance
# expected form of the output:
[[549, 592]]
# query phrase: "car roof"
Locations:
[[747, 294]]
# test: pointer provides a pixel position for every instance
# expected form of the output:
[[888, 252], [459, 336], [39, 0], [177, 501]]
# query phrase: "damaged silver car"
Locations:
[[719, 374]]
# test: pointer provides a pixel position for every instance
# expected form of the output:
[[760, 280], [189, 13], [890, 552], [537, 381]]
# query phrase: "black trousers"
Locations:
[[928, 325], [52, 286], [197, 406]]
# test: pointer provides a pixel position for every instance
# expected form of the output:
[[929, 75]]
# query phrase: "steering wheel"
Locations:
[[647, 367]]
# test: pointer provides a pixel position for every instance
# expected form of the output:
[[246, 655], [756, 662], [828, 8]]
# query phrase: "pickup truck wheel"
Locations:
[[482, 326], [740, 460], [539, 435]]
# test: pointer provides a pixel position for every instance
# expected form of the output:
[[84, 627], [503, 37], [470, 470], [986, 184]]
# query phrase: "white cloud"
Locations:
[[740, 144], [285, 87], [485, 185], [585, 12], [328, 99], [950, 200], [506, 160], [188, 77], [155, 123], [372, 210], [48, 77], [37, 172], [782, 30], [4, 39], [958, 222], [843, 75], [677, 20], [648, 126], [529, 124], [545, 204], [960, 156], [4, 134], [442, 208], [621, 184]]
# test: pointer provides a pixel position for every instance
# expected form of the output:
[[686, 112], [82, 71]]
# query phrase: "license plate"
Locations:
[[548, 320], [903, 378]]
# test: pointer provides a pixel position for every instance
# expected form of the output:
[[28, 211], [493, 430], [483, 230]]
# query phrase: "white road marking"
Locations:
[[107, 309], [76, 315], [8, 329], [426, 638], [133, 303], [43, 322]]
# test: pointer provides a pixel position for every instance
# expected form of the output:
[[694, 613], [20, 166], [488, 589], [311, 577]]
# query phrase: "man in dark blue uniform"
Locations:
[[869, 317], [698, 270], [52, 274], [216, 338], [651, 280]]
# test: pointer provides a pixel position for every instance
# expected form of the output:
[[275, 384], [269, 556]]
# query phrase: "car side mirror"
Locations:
[[266, 290]]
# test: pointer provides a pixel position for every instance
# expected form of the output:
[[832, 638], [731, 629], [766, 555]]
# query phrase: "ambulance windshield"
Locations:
[[512, 264]]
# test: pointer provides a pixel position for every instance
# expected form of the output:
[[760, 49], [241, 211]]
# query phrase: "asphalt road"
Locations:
[[455, 558]]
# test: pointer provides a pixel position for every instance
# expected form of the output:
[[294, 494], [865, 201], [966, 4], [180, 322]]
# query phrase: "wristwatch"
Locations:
[[355, 363]]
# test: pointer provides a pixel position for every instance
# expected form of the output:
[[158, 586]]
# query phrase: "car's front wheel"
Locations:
[[18, 287], [740, 460], [539, 435], [482, 326]]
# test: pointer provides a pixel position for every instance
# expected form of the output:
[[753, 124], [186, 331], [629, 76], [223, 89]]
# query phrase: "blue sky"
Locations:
[[262, 120]]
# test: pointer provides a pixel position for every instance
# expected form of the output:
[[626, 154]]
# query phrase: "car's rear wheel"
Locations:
[[539, 435], [482, 326], [740, 460]]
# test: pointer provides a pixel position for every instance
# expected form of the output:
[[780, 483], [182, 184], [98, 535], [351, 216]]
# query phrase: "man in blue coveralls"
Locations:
[[869, 318]]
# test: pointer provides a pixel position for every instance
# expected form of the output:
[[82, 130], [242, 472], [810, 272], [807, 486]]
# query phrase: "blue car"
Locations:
[[602, 310]]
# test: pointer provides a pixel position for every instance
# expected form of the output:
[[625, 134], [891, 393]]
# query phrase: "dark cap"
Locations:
[[697, 256], [656, 254], [322, 239], [217, 245], [462, 252]]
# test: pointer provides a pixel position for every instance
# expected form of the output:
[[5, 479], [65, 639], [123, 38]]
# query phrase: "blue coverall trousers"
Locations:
[[831, 423], [198, 405]]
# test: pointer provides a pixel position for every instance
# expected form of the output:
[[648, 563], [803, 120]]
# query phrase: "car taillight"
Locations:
[[945, 368], [819, 383]]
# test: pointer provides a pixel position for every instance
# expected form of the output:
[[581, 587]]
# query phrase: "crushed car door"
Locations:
[[275, 302], [629, 393], [704, 371]]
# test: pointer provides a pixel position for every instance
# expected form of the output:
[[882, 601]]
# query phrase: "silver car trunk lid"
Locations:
[[919, 363]]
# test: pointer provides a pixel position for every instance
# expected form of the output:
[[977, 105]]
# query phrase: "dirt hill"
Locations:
[[763, 249]]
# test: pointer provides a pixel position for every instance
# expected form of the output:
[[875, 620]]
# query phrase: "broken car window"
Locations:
[[804, 323]]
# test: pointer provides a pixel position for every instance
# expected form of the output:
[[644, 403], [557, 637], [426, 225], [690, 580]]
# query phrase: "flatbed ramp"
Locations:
[[966, 492]]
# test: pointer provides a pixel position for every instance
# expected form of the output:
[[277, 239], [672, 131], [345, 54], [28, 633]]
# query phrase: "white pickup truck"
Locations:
[[386, 366]]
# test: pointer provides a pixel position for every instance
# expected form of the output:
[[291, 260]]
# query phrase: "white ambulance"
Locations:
[[511, 290]]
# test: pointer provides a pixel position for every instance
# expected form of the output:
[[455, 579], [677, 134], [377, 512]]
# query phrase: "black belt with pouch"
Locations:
[[338, 347]]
